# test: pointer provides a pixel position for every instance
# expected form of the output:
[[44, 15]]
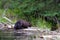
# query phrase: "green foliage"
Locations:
[[31, 10], [2, 20]]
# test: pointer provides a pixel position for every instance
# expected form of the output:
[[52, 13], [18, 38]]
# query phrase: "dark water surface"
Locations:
[[11, 34]]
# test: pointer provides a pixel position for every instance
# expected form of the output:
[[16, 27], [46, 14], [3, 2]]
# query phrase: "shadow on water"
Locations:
[[14, 35]]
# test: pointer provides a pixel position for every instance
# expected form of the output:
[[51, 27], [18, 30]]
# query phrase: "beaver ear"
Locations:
[[30, 24]]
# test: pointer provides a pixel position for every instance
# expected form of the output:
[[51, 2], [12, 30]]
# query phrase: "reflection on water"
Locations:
[[13, 35], [22, 36]]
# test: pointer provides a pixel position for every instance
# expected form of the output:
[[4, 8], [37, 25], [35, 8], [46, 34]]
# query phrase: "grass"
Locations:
[[35, 22], [41, 23]]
